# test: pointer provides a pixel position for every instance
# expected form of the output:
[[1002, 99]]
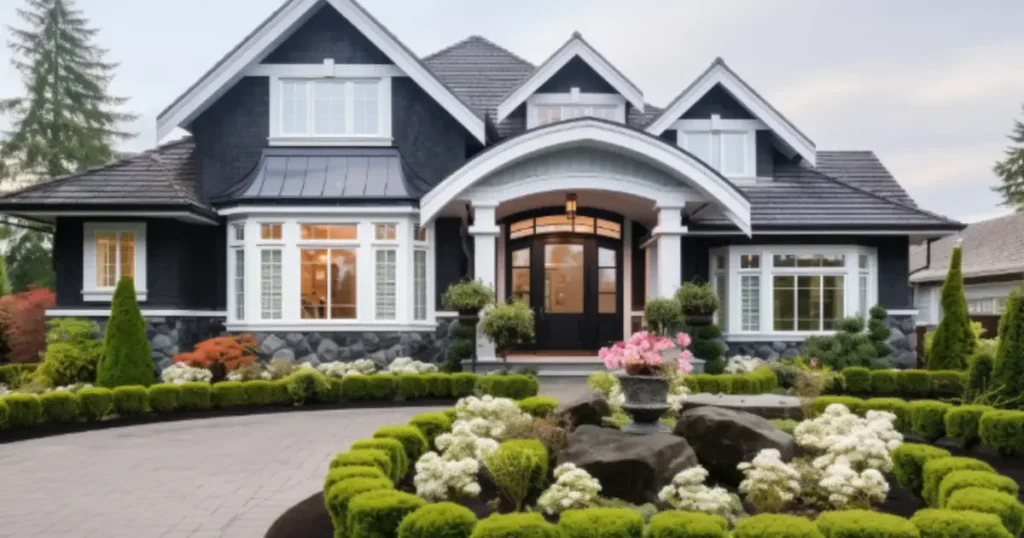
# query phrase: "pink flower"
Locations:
[[814, 363], [683, 339]]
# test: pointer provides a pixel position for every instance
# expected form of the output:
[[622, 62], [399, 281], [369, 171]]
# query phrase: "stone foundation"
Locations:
[[169, 335]]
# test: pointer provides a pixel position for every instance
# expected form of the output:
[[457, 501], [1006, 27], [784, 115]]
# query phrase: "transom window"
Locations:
[[328, 231], [563, 224], [551, 113], [332, 108]]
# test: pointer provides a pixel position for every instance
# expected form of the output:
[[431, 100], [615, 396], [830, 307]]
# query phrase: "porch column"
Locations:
[[669, 253], [485, 235]]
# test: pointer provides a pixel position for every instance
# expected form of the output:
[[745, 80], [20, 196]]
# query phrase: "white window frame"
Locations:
[[387, 245], [280, 138], [91, 292], [717, 127], [574, 98], [422, 246], [236, 245]]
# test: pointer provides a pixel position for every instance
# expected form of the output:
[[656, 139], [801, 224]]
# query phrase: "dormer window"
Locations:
[[545, 108], [728, 146], [330, 111]]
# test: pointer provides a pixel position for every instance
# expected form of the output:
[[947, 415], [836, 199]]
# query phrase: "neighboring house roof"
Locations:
[[336, 174], [989, 248]]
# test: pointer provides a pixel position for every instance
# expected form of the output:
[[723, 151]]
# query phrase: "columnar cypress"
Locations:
[[127, 358], [1008, 372], [954, 340]]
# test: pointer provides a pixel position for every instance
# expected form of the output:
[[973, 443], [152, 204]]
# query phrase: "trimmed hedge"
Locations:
[[394, 450], [463, 384], [864, 524], [855, 405], [947, 383], [195, 396], [378, 513], [258, 392], [937, 523], [164, 398], [306, 385], [858, 379], [131, 400], [775, 526], [335, 391], [227, 394], [884, 382], [431, 425], [381, 387], [355, 388], [958, 480], [1003, 431], [962, 423], [411, 386], [412, 440], [987, 501], [937, 469], [908, 464], [337, 474], [514, 386], [896, 406], [927, 418], [914, 383], [679, 524], [438, 520], [95, 403], [364, 457], [528, 525], [438, 385], [538, 406], [23, 410], [5, 413], [603, 522], [337, 499], [759, 381], [59, 406]]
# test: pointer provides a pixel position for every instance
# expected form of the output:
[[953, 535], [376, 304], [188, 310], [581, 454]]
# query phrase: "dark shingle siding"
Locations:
[[432, 143], [327, 34], [231, 134], [766, 154], [717, 101], [576, 73]]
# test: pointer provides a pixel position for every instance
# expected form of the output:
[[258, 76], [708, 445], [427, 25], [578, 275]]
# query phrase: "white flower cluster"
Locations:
[[573, 488], [864, 443], [769, 483], [238, 375], [677, 394], [463, 443], [489, 416], [845, 488], [688, 492], [441, 479], [179, 373], [743, 364], [345, 369], [406, 365], [4, 389]]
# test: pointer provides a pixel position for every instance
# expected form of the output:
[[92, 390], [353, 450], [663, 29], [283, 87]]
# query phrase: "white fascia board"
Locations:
[[146, 312], [719, 74], [317, 210], [810, 231], [574, 47], [215, 83], [326, 69]]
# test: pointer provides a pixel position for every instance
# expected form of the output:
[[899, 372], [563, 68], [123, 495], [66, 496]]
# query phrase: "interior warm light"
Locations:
[[570, 205]]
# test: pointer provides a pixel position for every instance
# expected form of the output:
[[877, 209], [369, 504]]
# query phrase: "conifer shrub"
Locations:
[[927, 418], [364, 457], [378, 513], [337, 474], [954, 340], [962, 423], [941, 523], [958, 480], [338, 498], [164, 397], [127, 357], [908, 463], [1003, 430], [947, 383], [413, 441], [987, 501], [1008, 369], [937, 469], [979, 376], [393, 449]]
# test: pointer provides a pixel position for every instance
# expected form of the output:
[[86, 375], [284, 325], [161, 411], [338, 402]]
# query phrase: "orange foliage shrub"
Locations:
[[23, 323], [228, 352]]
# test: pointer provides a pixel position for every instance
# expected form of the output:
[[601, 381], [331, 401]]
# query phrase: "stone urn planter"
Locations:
[[646, 401]]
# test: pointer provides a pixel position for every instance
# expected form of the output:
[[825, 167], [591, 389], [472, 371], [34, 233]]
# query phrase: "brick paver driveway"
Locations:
[[219, 477]]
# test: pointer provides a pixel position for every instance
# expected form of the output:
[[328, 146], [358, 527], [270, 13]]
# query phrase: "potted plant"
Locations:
[[509, 325], [664, 317], [468, 298], [645, 376], [698, 302]]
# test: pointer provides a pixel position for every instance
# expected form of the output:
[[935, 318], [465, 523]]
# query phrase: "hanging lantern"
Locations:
[[570, 205]]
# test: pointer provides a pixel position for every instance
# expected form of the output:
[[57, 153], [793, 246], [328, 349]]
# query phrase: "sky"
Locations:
[[931, 86]]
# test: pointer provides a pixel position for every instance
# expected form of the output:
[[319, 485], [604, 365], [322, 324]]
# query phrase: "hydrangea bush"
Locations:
[[846, 488], [865, 443], [180, 373], [345, 369], [406, 365], [463, 443], [743, 364], [441, 479], [488, 416], [573, 488], [768, 482], [688, 492]]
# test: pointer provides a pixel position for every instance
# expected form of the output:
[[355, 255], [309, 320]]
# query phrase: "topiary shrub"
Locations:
[[127, 357], [411, 386], [962, 423], [438, 520], [953, 341], [337, 474], [663, 316], [1003, 431], [431, 425], [958, 480], [229, 394], [914, 383], [908, 463], [538, 406], [884, 382], [94, 403], [258, 392], [979, 376], [705, 344], [987, 501], [936, 469], [507, 326], [603, 522], [306, 385], [72, 351], [377, 514], [864, 524], [337, 498], [855, 405], [858, 379], [131, 400], [698, 299], [513, 386], [195, 396], [927, 418], [947, 383], [938, 523], [467, 297], [438, 385], [1008, 368], [59, 407], [355, 387], [850, 346], [530, 525], [24, 410], [775, 526], [364, 457], [679, 524], [514, 467], [413, 441], [896, 406], [463, 384], [395, 452], [381, 387], [164, 397]]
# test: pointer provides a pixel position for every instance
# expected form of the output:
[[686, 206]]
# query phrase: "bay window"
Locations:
[[327, 110], [111, 251]]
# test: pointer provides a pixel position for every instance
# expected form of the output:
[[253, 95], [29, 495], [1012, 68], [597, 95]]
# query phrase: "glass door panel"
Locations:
[[521, 275], [563, 278]]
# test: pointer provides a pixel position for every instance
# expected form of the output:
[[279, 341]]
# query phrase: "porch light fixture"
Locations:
[[570, 205]]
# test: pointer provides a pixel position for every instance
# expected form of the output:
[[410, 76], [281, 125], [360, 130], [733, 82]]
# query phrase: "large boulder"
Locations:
[[588, 408], [629, 467], [722, 438]]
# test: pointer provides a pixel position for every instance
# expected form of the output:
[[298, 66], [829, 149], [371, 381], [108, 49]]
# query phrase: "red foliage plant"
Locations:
[[23, 323], [230, 352]]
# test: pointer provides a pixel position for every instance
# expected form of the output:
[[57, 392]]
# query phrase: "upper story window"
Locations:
[[729, 146], [551, 113], [331, 111], [545, 108]]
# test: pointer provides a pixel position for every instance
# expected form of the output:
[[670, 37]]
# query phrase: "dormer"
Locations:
[[576, 81]]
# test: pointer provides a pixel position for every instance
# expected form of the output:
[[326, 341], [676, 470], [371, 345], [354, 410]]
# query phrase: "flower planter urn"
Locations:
[[646, 401]]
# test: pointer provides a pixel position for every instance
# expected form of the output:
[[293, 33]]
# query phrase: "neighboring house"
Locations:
[[335, 184], [992, 265]]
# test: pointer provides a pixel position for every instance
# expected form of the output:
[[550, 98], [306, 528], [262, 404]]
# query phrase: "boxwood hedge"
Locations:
[[936, 469], [988, 501], [603, 522], [864, 524], [939, 523], [679, 524], [438, 520]]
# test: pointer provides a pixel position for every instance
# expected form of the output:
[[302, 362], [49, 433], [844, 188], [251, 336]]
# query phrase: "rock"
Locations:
[[779, 347], [895, 335], [371, 341], [175, 337], [271, 344], [355, 351], [389, 340], [723, 438], [161, 342], [310, 359], [764, 352], [294, 339], [314, 339], [912, 341], [395, 351], [904, 359], [790, 353], [380, 359], [629, 467], [907, 325], [588, 408], [161, 364], [284, 353], [327, 350]]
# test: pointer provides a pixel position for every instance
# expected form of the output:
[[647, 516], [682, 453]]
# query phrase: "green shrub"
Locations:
[[195, 396], [908, 464], [412, 439], [514, 467], [337, 499], [936, 469], [785, 425], [914, 383], [678, 524], [954, 340], [229, 394], [851, 346], [438, 385], [395, 452], [335, 390], [858, 379], [864, 524], [381, 387], [987, 501], [23, 410], [508, 325], [411, 386], [514, 386], [896, 406], [59, 406], [962, 423], [364, 457], [855, 405], [95, 403], [438, 520], [355, 387], [127, 357], [258, 392], [742, 384], [698, 299], [706, 344], [467, 297], [530, 525], [663, 316], [337, 474], [1008, 368], [431, 425], [766, 380], [306, 385], [603, 522], [883, 382], [463, 384], [538, 406], [936, 523], [66, 363], [377, 514], [5, 414], [775, 526], [164, 397], [279, 392], [1003, 431], [958, 480], [540, 455], [979, 375], [927, 418], [947, 383], [13, 374], [131, 400]]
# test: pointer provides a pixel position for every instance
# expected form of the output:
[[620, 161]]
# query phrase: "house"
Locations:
[[992, 264], [334, 184]]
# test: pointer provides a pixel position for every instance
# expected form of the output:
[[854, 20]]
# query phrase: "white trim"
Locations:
[[903, 312], [329, 325], [820, 231], [718, 73], [716, 123], [184, 216], [382, 137], [446, 314], [326, 69], [316, 210], [775, 336], [103, 312], [627, 276], [329, 141], [620, 138], [574, 99], [276, 30], [91, 292], [576, 46]]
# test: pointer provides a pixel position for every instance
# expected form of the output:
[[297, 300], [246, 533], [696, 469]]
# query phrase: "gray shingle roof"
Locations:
[[863, 169], [989, 248]]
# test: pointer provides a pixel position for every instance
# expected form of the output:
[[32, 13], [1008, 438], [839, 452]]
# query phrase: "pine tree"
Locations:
[[954, 341], [5, 283], [1008, 370], [30, 261], [66, 121], [127, 357], [1011, 169]]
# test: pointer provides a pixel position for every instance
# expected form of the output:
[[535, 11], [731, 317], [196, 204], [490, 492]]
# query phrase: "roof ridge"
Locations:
[[477, 37]]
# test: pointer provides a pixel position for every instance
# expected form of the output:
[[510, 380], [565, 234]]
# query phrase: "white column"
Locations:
[[651, 254], [627, 276], [669, 233], [485, 235]]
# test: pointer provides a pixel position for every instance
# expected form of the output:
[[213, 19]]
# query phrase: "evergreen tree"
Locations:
[[127, 357], [1011, 169], [30, 261], [66, 121], [1008, 371], [5, 283], [954, 340]]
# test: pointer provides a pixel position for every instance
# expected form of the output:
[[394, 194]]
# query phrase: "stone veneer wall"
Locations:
[[903, 340], [169, 335]]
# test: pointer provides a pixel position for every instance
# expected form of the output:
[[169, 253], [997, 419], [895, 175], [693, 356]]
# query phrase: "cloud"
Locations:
[[937, 166]]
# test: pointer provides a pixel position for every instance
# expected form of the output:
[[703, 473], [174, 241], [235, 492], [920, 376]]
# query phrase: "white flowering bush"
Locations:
[[488, 416], [4, 389], [442, 479], [345, 369], [864, 443], [573, 488], [462, 443], [688, 492], [743, 364], [845, 488], [769, 483], [179, 373], [406, 365], [677, 393]]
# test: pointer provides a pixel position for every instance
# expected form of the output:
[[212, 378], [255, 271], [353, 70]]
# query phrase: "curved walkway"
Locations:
[[220, 477]]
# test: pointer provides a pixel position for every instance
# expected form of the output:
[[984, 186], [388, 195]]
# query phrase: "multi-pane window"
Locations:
[[607, 282], [750, 292], [521, 275], [330, 107], [328, 284], [115, 257], [419, 269], [328, 231], [808, 303], [563, 224], [863, 272], [551, 113], [729, 152], [386, 282], [239, 283], [270, 232], [270, 283]]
